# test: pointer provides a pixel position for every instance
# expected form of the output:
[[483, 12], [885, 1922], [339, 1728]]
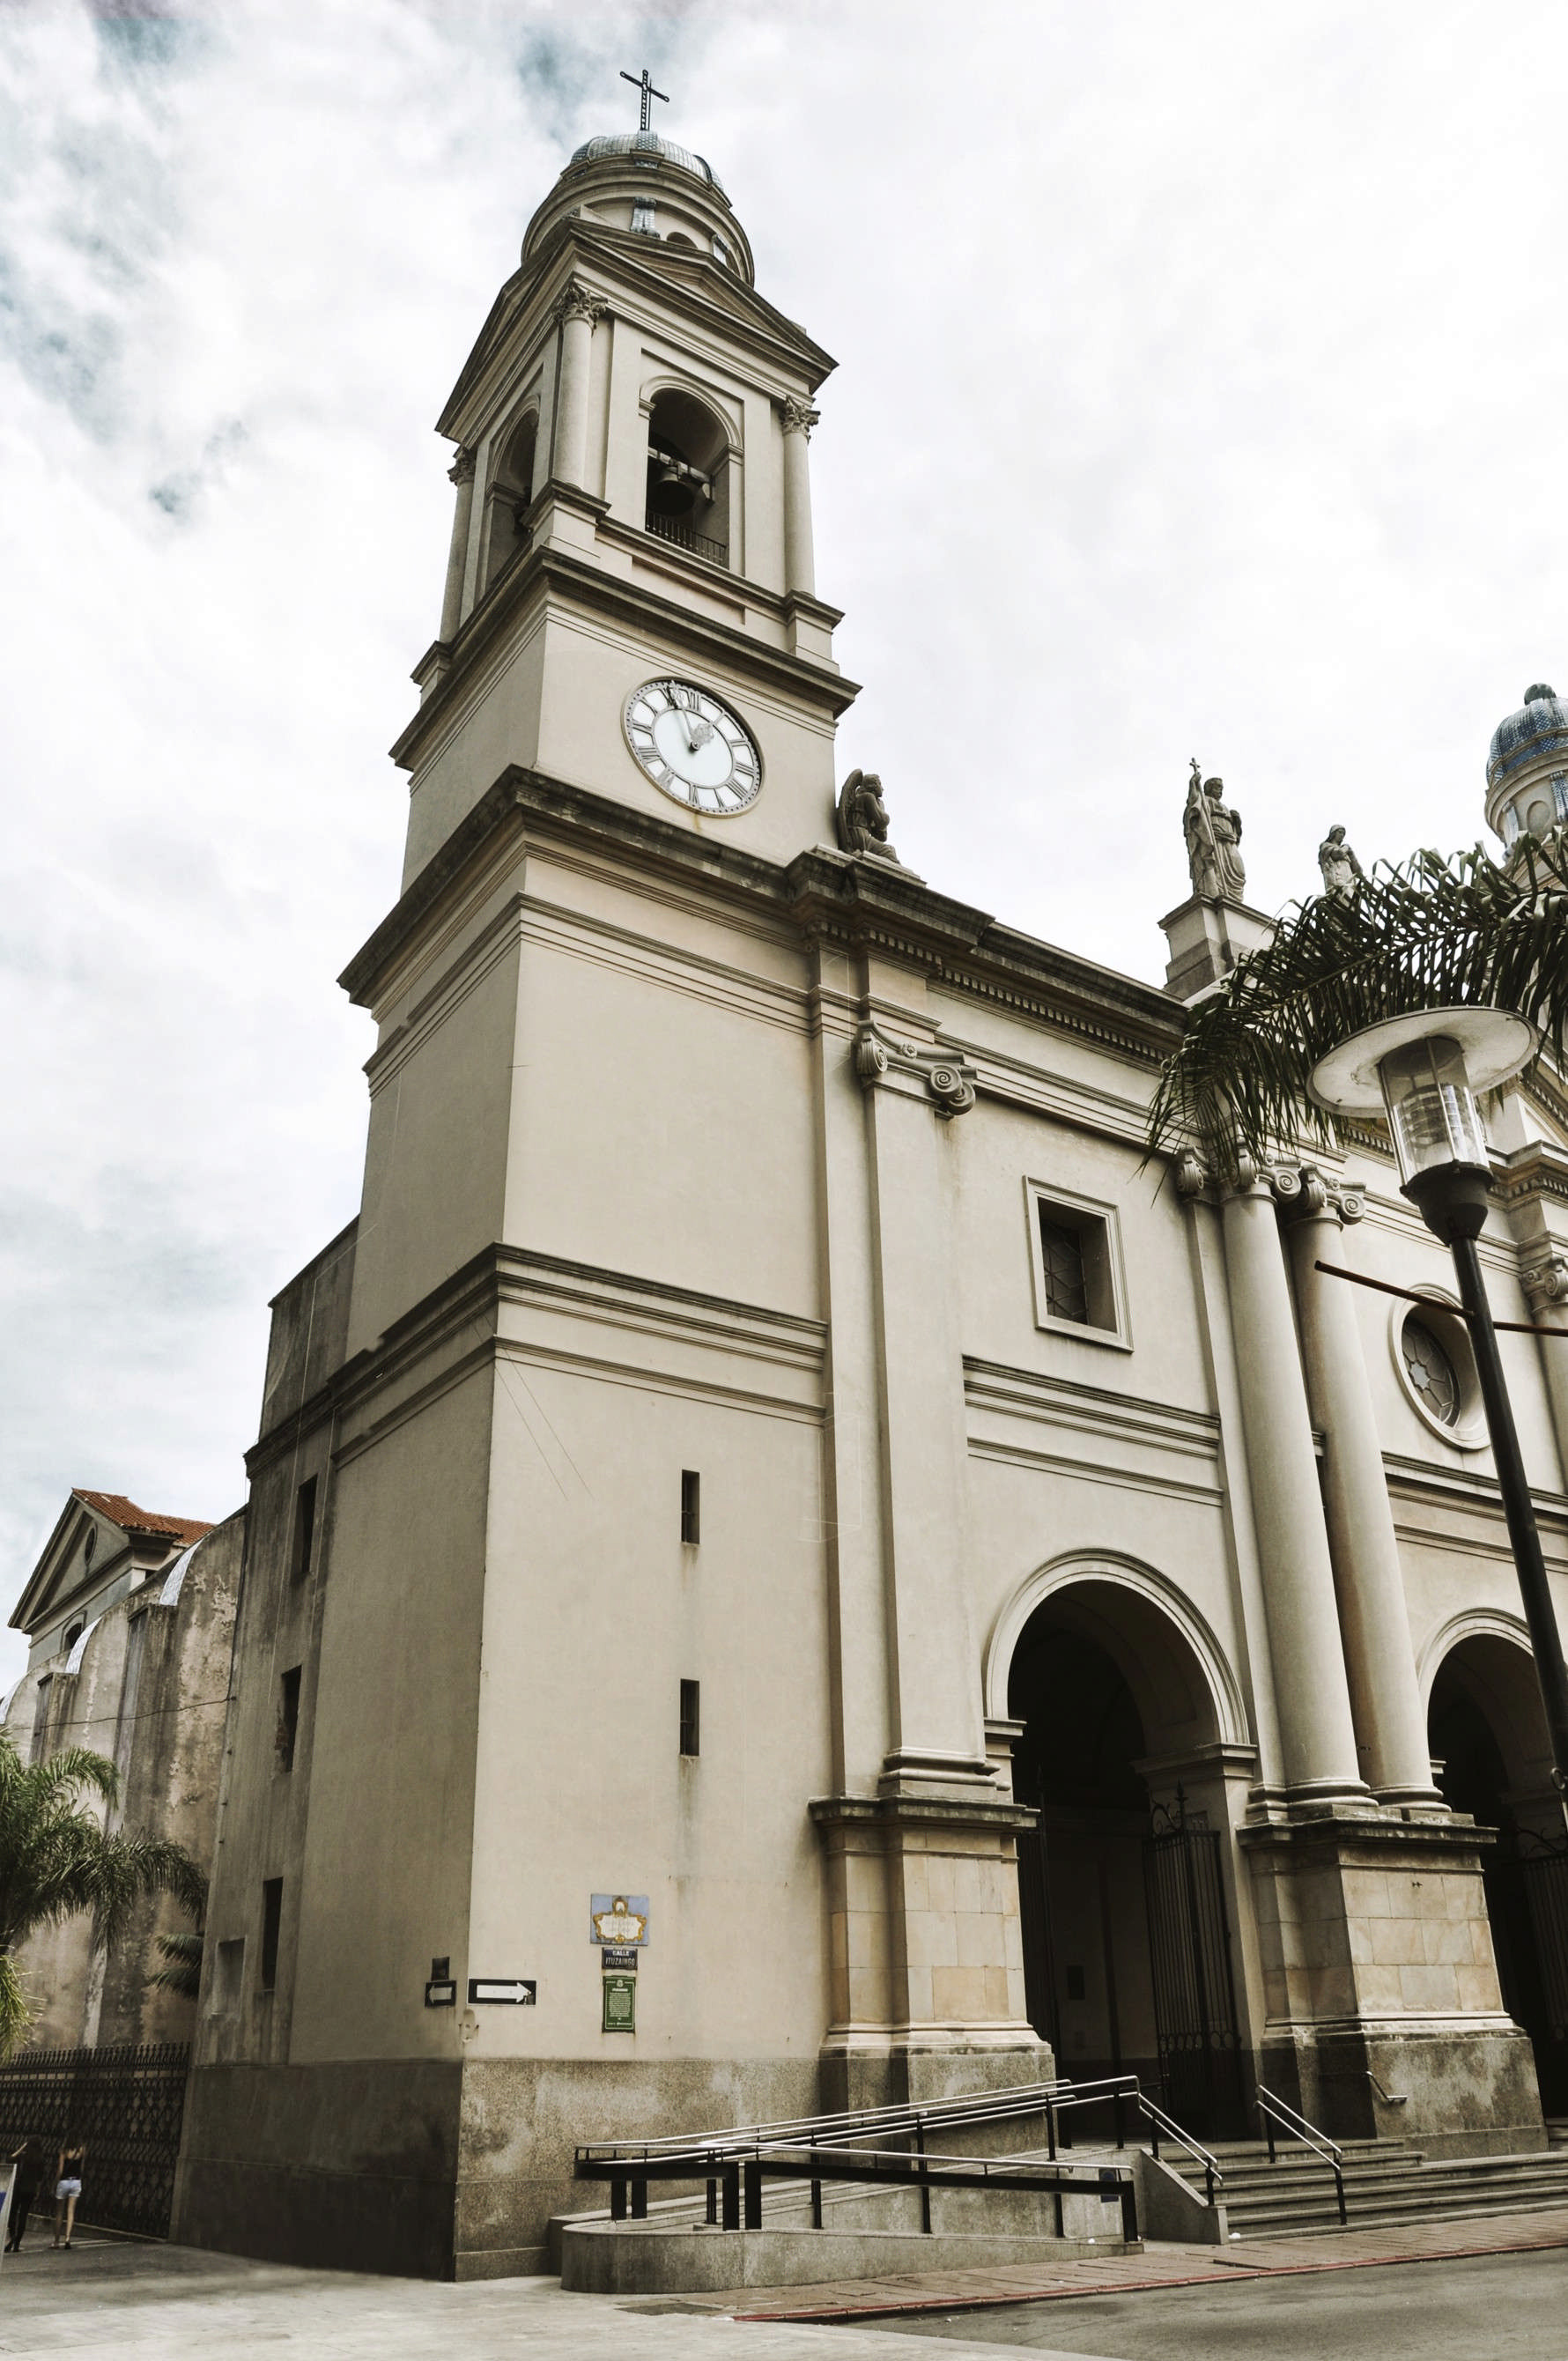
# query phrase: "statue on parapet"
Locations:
[[1342, 871], [1213, 834], [863, 818]]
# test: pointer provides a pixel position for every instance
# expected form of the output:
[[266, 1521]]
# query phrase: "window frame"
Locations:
[[1444, 1315], [1082, 1214]]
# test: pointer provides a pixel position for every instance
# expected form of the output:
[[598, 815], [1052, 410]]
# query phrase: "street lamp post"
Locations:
[[1423, 1072]]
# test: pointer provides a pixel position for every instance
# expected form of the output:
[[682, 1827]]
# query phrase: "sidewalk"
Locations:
[[111, 2300], [1161, 2266]]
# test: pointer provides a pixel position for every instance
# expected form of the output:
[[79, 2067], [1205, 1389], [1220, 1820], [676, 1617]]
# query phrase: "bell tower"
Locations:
[[633, 507]]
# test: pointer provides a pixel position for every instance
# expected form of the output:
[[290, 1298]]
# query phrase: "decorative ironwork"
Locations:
[[1190, 1960], [1526, 1901], [666, 529], [124, 2106]]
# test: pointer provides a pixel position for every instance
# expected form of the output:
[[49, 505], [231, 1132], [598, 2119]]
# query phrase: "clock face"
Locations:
[[694, 747]]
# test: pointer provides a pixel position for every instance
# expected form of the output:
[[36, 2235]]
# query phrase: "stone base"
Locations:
[[1206, 939], [430, 2169], [1450, 2091], [900, 2077], [1384, 2014], [598, 2260]]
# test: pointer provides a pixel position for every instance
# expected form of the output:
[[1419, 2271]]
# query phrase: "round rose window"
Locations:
[[1429, 1370]]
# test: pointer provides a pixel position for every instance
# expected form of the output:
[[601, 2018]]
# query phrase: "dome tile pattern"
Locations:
[[648, 143]]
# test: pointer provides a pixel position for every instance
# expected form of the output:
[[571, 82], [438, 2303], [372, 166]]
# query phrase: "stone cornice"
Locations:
[[860, 904], [1540, 1170], [501, 1275], [547, 568], [714, 301], [919, 1811]]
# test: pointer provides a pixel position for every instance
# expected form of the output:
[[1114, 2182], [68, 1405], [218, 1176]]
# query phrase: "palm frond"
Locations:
[[183, 1970], [16, 2016], [1428, 933]]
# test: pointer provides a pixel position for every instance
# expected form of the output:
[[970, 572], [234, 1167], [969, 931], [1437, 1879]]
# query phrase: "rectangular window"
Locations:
[[304, 1530], [1067, 1287], [1075, 1251], [40, 1718], [287, 1716], [271, 1923], [228, 1980], [691, 1505], [691, 1716]]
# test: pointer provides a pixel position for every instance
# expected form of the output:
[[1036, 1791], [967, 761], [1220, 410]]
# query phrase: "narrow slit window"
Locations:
[[691, 1716], [691, 1505], [304, 1530], [271, 1926], [287, 1716]]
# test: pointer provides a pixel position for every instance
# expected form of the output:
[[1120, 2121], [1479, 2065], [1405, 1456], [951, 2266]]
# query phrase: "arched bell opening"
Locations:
[[688, 476], [1489, 1740], [509, 492], [1122, 1885]]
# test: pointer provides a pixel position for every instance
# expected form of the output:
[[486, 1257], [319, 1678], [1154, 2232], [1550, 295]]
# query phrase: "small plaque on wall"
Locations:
[[619, 2004], [620, 1955]]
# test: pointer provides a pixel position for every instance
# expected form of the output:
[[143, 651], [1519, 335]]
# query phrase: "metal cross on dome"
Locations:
[[643, 84]]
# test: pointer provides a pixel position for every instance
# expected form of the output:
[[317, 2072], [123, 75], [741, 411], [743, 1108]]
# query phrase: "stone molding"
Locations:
[[462, 468], [578, 301], [1300, 1191], [799, 417], [1544, 1279], [948, 1079]]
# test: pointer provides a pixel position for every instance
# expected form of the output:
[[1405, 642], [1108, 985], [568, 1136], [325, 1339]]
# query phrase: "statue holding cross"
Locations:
[[644, 83]]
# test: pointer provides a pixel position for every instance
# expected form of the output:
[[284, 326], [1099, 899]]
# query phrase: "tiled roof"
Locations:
[[121, 1511]]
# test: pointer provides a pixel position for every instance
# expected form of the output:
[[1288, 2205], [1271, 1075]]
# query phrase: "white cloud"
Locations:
[[1201, 387]]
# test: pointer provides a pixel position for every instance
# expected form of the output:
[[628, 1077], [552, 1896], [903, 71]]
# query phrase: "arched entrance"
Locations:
[[1127, 1955], [1488, 1732]]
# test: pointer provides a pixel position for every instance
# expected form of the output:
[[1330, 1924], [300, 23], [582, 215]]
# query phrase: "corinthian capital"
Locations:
[[462, 468], [799, 417], [576, 301]]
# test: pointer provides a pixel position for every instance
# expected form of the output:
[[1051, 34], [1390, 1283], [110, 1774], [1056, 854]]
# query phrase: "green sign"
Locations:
[[620, 2004]]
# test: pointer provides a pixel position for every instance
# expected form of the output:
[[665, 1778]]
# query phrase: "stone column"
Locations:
[[1317, 1734], [800, 571], [1543, 1275], [577, 310], [1385, 1693], [461, 474]]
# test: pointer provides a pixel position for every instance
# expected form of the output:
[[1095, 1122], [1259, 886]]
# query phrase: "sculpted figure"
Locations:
[[1339, 866], [1213, 834], [862, 818]]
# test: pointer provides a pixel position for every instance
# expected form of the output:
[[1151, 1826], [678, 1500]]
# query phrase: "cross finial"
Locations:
[[643, 84]]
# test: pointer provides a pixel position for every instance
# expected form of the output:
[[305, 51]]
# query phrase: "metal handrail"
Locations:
[[882, 2122], [1276, 2110], [720, 2156], [1213, 2176]]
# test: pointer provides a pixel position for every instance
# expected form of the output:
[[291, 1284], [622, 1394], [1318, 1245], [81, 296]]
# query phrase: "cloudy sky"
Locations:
[[1201, 391]]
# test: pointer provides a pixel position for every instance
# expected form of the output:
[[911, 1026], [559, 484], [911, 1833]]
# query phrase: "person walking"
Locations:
[[26, 2183], [67, 2190]]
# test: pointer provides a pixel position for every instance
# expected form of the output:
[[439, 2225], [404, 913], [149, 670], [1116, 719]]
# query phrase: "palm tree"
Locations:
[[181, 1972], [55, 1860], [1427, 933]]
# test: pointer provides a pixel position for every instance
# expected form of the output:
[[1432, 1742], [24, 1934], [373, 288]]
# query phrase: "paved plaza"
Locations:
[[107, 2300], [110, 2298]]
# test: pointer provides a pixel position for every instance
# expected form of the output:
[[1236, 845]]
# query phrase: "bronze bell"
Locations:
[[672, 494]]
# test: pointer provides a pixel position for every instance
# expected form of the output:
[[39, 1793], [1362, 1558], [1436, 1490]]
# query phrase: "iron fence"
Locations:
[[124, 2106]]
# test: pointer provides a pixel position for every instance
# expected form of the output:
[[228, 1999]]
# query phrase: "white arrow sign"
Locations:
[[514, 1989]]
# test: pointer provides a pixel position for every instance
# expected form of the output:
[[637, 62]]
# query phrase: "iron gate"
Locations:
[[1190, 1955], [124, 2105], [1526, 1901]]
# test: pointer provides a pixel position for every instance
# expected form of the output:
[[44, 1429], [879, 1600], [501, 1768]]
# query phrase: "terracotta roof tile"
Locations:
[[121, 1511]]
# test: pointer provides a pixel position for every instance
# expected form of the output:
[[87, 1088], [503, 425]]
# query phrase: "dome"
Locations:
[[1539, 729], [649, 144]]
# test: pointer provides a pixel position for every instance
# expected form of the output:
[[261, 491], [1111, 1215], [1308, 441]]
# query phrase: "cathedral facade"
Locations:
[[797, 1567]]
